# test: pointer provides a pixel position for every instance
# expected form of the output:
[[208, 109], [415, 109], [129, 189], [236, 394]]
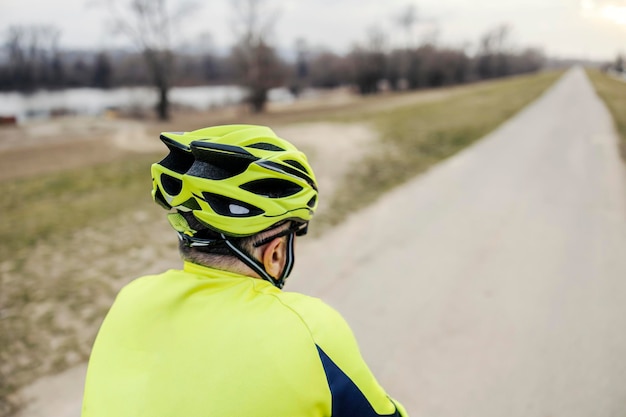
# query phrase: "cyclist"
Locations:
[[220, 337]]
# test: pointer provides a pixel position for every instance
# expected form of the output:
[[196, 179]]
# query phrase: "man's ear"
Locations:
[[274, 256]]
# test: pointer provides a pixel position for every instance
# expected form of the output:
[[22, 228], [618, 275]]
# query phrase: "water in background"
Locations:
[[92, 101]]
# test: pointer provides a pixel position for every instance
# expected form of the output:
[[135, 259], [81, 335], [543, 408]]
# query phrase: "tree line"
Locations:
[[34, 60]]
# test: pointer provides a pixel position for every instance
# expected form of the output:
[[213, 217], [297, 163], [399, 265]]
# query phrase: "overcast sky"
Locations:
[[594, 29]]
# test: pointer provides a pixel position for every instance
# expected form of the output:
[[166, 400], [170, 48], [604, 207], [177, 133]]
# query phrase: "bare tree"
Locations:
[[148, 25], [301, 68], [329, 70], [376, 39], [32, 51], [102, 71], [493, 53], [496, 40], [256, 62], [406, 19], [619, 63], [370, 62]]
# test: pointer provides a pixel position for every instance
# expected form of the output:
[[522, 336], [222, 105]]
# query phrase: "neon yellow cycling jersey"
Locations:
[[205, 342]]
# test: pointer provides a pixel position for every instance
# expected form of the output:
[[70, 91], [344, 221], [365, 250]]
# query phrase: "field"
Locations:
[[79, 222]]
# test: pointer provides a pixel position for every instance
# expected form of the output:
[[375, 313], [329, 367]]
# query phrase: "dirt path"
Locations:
[[52, 145]]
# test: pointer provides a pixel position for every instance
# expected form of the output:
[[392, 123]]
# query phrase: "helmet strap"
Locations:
[[290, 259], [258, 266]]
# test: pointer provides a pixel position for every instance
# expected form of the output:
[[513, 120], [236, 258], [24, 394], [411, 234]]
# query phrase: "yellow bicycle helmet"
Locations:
[[236, 180]]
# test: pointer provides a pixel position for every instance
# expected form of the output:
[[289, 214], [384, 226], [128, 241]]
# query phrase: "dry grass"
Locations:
[[613, 92], [70, 200]]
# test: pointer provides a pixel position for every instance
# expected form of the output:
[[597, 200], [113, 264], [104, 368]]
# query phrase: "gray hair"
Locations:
[[221, 258]]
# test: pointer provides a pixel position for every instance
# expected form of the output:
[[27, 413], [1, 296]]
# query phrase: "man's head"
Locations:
[[234, 192]]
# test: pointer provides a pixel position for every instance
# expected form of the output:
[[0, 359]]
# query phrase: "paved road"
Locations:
[[495, 285]]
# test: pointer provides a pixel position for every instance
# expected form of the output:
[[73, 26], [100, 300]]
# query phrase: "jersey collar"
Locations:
[[208, 272]]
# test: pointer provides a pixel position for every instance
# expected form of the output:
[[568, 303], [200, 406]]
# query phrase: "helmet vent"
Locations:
[[177, 160], [238, 210], [218, 163], [225, 206], [297, 165], [285, 169], [272, 187], [219, 171], [171, 185], [192, 204], [266, 147], [158, 197], [312, 202]]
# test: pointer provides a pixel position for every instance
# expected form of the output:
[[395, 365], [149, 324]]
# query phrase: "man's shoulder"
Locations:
[[308, 307], [147, 284], [323, 321], [148, 278]]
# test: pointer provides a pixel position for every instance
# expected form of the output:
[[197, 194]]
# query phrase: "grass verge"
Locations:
[[613, 92], [41, 207], [415, 137]]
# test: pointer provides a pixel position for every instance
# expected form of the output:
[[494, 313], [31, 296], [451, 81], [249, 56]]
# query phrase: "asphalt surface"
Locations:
[[495, 284]]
